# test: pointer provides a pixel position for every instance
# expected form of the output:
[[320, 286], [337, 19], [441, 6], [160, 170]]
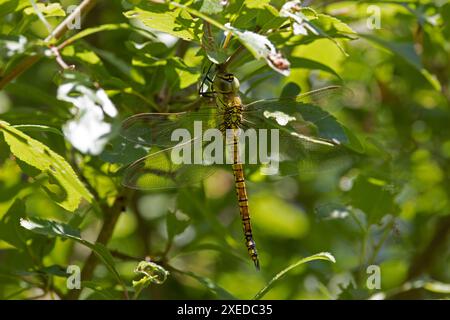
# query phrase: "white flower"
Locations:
[[87, 131], [15, 47]]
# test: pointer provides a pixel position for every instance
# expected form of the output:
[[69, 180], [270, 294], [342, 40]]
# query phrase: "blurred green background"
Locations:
[[386, 204]]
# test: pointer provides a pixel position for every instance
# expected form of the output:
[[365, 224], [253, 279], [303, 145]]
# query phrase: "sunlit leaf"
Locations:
[[319, 256], [8, 6], [37, 155], [211, 6], [48, 10], [178, 22], [438, 287]]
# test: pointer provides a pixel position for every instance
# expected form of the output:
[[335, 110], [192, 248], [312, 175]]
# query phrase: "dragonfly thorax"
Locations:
[[232, 118]]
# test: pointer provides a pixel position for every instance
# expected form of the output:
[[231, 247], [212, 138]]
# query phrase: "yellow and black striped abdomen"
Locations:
[[241, 192]]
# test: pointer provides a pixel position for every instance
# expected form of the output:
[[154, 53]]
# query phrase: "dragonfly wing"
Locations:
[[159, 129], [304, 116], [166, 169], [317, 97], [286, 155], [307, 134]]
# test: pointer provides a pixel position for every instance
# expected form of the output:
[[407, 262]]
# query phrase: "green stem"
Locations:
[[379, 245], [362, 256]]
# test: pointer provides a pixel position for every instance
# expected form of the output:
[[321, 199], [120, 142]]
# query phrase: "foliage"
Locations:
[[383, 202]]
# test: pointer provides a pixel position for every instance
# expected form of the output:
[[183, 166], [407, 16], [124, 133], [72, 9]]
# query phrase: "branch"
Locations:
[[422, 262], [111, 216], [17, 71], [59, 31]]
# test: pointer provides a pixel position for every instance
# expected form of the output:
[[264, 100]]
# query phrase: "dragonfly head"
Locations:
[[226, 83]]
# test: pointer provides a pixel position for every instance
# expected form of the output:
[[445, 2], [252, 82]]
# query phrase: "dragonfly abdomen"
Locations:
[[241, 192]]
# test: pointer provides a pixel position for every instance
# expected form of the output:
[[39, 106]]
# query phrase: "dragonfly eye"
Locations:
[[228, 77], [226, 83]]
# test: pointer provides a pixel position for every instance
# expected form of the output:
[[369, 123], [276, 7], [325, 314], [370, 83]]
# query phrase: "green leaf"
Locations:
[[105, 256], [214, 288], [9, 6], [254, 4], [55, 270], [187, 76], [89, 31], [121, 65], [333, 27], [175, 226], [438, 287], [331, 211], [121, 151], [306, 22], [407, 53], [100, 292], [57, 229], [373, 197], [177, 22], [262, 48], [304, 63], [34, 94], [319, 256], [51, 228], [151, 273], [10, 230], [38, 155], [287, 115], [353, 142], [48, 10], [211, 6], [215, 53], [38, 128], [258, 45]]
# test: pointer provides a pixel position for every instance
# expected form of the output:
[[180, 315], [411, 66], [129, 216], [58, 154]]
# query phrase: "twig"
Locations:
[[379, 245], [233, 56], [61, 29], [422, 262], [142, 228], [235, 53], [123, 256], [57, 33], [60, 60], [16, 293], [17, 71]]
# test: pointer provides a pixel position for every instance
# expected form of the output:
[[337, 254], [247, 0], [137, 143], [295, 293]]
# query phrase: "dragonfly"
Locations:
[[305, 132]]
